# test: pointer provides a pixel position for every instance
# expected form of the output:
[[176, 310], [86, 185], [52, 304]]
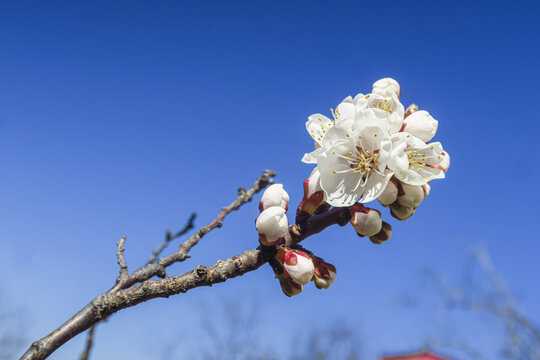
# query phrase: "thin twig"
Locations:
[[120, 256], [169, 237], [89, 342]]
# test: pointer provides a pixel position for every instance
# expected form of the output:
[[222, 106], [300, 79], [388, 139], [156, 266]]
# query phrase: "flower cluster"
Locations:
[[294, 267], [371, 149]]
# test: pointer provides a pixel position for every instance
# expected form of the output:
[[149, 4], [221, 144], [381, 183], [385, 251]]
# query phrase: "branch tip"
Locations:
[[120, 255]]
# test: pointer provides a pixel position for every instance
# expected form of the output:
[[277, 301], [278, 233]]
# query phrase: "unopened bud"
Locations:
[[411, 195], [427, 189], [389, 194], [289, 287], [401, 212], [298, 266], [325, 273], [387, 87], [420, 124], [366, 221], [272, 225], [274, 195], [313, 193], [411, 109], [383, 235]]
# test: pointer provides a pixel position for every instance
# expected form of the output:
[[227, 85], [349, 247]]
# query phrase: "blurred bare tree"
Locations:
[[12, 330], [232, 333], [232, 330], [337, 341], [487, 293]]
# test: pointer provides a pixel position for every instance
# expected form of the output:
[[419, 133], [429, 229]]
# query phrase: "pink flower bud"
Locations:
[[289, 287], [325, 273], [383, 235], [411, 195], [420, 124], [274, 195], [401, 212], [298, 266], [389, 194], [411, 109], [313, 193], [272, 225], [387, 87], [366, 221]]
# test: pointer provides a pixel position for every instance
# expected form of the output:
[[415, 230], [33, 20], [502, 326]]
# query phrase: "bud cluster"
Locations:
[[368, 222], [403, 199], [300, 267], [296, 267], [272, 224]]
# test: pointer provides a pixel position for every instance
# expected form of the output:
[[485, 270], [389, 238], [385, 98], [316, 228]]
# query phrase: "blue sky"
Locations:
[[124, 117]]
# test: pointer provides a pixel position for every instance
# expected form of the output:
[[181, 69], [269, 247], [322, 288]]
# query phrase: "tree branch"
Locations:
[[99, 309], [169, 237], [121, 261], [123, 271], [318, 223], [125, 293]]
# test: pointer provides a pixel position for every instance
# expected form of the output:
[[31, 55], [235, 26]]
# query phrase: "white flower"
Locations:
[[298, 266], [274, 196], [413, 161], [387, 87], [353, 161], [371, 106], [272, 225], [366, 221], [421, 125], [387, 109]]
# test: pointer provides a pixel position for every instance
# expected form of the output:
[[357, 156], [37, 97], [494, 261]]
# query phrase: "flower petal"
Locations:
[[345, 110], [317, 125], [339, 182], [338, 133], [375, 186], [311, 158], [388, 109]]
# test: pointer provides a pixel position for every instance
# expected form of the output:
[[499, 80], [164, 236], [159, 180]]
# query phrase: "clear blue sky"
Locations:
[[124, 117]]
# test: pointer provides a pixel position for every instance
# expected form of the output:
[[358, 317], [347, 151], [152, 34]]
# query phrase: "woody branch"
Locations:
[[137, 287]]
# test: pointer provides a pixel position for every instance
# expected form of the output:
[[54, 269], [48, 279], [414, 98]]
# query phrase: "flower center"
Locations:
[[361, 162], [418, 161], [383, 106]]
